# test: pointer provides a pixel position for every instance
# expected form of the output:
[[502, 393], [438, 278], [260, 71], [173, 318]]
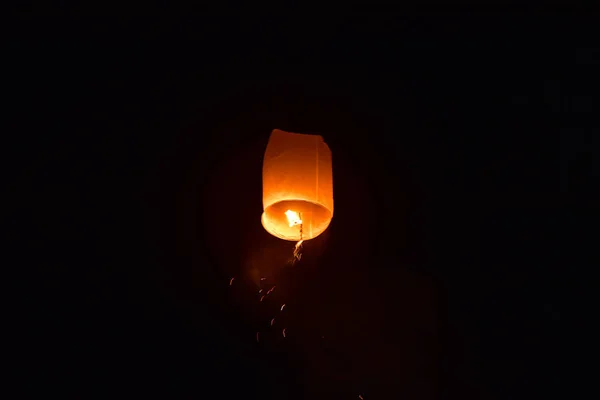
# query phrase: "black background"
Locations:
[[136, 148]]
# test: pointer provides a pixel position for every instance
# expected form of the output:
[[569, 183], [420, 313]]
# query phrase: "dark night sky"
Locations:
[[137, 157]]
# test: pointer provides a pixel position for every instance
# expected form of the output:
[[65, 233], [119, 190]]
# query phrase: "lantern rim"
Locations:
[[308, 234]]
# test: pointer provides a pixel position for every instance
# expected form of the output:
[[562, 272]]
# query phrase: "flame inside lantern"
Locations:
[[293, 218]]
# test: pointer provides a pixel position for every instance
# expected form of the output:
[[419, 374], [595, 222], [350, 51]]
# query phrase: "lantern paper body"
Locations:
[[297, 176]]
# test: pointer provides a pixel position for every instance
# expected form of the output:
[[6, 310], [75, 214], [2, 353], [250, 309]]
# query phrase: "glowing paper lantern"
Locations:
[[297, 186]]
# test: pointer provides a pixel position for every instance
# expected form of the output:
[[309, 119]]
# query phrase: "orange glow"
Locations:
[[297, 186]]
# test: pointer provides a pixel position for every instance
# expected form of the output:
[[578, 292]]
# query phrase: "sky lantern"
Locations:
[[297, 186]]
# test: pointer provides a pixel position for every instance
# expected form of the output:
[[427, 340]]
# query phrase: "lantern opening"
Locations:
[[315, 219]]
